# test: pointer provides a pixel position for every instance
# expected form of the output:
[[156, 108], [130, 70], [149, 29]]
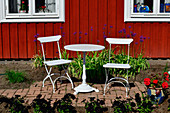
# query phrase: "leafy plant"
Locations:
[[42, 105], [37, 60], [94, 65], [94, 106], [123, 106], [15, 77], [137, 64], [169, 105], [144, 104], [15, 104], [65, 104]]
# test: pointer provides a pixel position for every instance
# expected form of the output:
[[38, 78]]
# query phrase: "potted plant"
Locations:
[[157, 86], [42, 9], [22, 7]]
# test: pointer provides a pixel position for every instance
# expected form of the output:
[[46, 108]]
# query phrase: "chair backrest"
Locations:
[[50, 39], [119, 41]]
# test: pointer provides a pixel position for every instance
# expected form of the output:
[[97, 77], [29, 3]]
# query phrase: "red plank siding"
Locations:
[[74, 23], [57, 31], [6, 41], [49, 31], [40, 31], [102, 21], [112, 9], [1, 48], [93, 17], [84, 23], [22, 41], [14, 41], [31, 31], [66, 26]]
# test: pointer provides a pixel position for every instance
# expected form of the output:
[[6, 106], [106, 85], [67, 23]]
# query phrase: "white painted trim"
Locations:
[[60, 17], [156, 17]]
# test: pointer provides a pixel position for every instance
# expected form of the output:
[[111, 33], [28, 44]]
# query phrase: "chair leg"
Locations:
[[106, 80], [66, 72]]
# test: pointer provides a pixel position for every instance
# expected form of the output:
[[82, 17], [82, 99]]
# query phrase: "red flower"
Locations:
[[147, 81], [166, 74], [23, 2], [166, 79], [155, 81], [165, 85]]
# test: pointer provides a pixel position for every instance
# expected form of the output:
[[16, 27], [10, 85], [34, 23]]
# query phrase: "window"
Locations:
[[147, 10], [32, 11]]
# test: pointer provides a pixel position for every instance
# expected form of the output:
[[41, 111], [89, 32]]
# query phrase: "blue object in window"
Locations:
[[144, 9], [162, 8]]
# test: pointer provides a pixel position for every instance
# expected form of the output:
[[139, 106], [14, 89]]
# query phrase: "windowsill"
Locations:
[[147, 19], [31, 20]]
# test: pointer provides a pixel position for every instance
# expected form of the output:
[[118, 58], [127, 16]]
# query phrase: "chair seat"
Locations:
[[114, 65], [57, 62]]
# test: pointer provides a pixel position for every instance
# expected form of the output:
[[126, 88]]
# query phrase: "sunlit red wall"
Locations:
[[86, 21]]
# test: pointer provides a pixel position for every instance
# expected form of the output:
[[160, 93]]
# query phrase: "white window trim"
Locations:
[[128, 17], [36, 17]]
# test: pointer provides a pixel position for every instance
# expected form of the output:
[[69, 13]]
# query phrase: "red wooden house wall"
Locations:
[[91, 17]]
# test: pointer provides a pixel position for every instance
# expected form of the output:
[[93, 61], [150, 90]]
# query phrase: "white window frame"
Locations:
[[58, 16], [156, 16]]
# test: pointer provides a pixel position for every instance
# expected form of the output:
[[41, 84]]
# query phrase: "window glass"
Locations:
[[164, 6], [143, 6], [18, 6], [45, 6]]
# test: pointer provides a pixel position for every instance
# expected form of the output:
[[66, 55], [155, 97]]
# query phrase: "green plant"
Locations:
[[144, 103], [123, 106], [169, 105], [15, 104], [65, 104], [94, 106], [15, 77], [37, 60], [41, 105], [94, 65]]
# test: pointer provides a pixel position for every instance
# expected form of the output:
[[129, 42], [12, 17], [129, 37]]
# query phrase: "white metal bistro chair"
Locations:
[[52, 63], [116, 65]]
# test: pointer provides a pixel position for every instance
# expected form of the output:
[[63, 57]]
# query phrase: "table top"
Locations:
[[84, 47]]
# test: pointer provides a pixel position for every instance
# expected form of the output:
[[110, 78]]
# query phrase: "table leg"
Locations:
[[84, 87]]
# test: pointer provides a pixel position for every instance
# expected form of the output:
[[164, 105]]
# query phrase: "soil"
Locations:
[[31, 74]]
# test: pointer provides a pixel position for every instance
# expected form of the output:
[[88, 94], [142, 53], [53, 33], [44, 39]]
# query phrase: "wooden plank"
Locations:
[[22, 40], [146, 32], [137, 30], [84, 23], [57, 31], [1, 47], [6, 41], [40, 31], [31, 32], [66, 26], [74, 23], [129, 30], [102, 21], [49, 31], [112, 28], [120, 16], [93, 23], [154, 40], [168, 39], [14, 41]]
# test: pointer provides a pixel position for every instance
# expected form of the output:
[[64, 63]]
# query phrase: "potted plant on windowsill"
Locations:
[[42, 9], [23, 7], [157, 86]]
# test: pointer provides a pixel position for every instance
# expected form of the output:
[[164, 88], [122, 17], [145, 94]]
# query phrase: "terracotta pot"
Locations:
[[157, 94]]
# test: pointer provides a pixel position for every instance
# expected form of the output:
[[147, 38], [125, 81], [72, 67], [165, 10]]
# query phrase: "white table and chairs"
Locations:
[[51, 63], [124, 41], [84, 87]]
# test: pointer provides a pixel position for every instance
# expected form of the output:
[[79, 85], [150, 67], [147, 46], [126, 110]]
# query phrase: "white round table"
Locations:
[[84, 87]]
